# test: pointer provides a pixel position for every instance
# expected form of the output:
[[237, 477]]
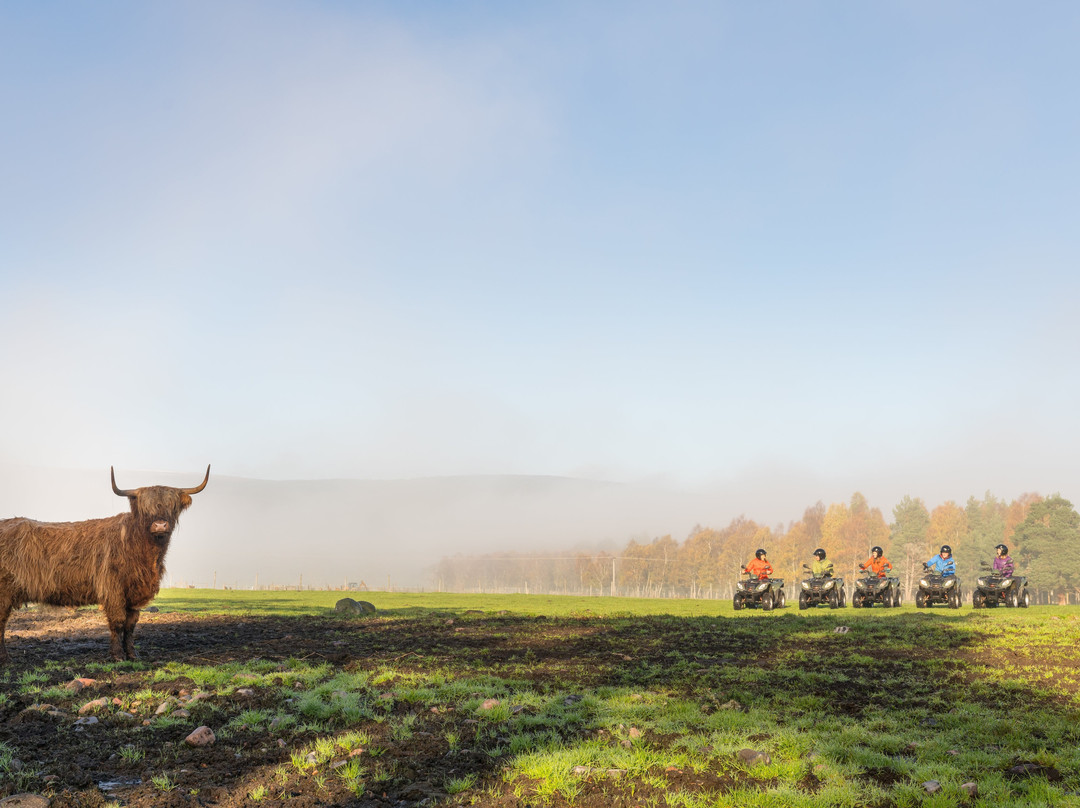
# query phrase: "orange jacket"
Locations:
[[759, 567], [878, 566]]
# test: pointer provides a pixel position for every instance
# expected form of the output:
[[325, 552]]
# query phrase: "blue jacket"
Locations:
[[942, 566]]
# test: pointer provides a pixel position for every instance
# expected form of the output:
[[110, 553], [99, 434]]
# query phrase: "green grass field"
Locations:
[[235, 601], [865, 705], [623, 702]]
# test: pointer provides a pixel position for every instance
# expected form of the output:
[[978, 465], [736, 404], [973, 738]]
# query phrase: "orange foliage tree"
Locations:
[[801, 539], [850, 530], [948, 523], [709, 561]]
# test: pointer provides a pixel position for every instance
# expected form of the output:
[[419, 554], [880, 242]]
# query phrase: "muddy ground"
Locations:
[[120, 759], [115, 761]]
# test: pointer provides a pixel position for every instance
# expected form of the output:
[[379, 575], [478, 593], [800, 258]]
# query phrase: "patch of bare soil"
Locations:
[[125, 756]]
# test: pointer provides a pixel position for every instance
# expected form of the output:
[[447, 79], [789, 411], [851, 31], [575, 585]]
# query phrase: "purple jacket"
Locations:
[[1004, 566]]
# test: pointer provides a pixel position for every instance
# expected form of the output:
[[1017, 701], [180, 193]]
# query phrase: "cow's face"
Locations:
[[156, 508]]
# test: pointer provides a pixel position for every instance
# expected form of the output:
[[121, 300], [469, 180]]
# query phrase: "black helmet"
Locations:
[[1003, 548], [819, 553], [760, 553], [945, 549], [877, 551]]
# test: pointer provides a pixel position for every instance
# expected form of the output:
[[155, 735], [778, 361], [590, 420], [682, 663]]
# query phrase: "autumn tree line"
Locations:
[[1043, 534]]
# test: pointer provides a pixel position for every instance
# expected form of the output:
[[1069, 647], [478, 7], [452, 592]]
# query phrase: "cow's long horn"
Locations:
[[200, 486], [119, 491]]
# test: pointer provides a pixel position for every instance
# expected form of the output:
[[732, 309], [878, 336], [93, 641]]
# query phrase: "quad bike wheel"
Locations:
[[767, 602], [978, 601], [843, 598], [781, 600], [737, 603], [920, 600], [954, 599], [1013, 601], [834, 600], [803, 604], [897, 599], [856, 601], [1025, 600]]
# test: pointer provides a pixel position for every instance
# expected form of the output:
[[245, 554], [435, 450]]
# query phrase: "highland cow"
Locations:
[[115, 562]]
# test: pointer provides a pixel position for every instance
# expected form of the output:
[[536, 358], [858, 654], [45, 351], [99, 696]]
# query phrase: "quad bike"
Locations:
[[819, 591], [872, 589], [993, 589], [768, 593], [935, 588]]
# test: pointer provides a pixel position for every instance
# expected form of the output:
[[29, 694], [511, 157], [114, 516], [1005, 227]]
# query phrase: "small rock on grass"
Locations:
[[203, 736], [91, 706], [165, 706], [932, 786], [970, 789], [752, 757], [347, 605], [350, 606]]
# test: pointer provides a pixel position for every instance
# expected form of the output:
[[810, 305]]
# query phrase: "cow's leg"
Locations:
[[116, 618], [6, 605], [129, 633], [10, 597]]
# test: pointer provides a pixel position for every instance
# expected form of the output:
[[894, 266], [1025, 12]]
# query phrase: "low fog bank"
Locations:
[[330, 532]]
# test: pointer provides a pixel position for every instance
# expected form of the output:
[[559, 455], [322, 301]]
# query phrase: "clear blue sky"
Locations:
[[699, 242]]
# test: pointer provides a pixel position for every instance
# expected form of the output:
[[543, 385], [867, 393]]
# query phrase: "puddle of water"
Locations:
[[110, 785]]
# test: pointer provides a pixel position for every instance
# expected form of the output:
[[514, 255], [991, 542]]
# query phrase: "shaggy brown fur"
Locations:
[[116, 562]]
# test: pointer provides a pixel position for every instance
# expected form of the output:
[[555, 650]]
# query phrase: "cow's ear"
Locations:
[[185, 501]]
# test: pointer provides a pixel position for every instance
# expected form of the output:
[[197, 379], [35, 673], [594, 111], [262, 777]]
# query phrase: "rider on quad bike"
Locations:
[[943, 563], [1003, 563], [999, 585], [821, 588], [759, 567], [939, 584], [821, 567], [876, 587], [761, 590], [878, 563]]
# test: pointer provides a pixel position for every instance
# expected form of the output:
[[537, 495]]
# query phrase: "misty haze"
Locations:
[[393, 533]]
